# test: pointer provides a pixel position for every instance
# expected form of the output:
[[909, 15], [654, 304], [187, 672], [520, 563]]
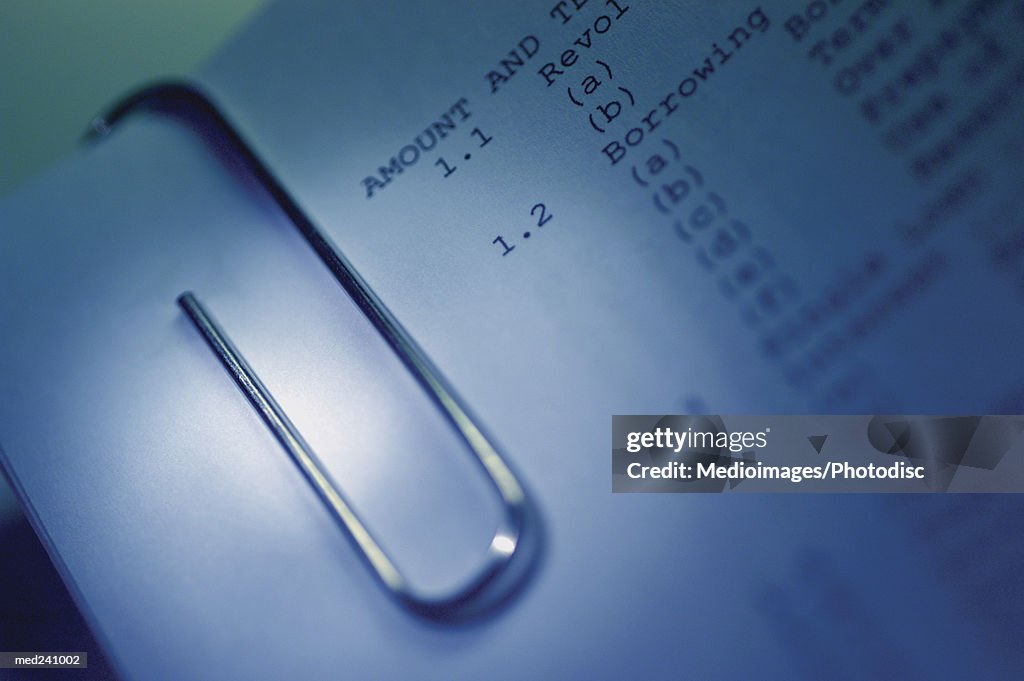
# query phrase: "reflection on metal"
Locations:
[[500, 576]]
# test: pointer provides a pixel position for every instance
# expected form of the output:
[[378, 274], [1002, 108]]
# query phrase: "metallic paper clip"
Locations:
[[501, 576]]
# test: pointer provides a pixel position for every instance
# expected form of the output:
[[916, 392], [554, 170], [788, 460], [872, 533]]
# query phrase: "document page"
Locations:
[[788, 206], [577, 209]]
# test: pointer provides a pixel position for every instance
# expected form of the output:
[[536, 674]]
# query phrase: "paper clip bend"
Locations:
[[501, 576]]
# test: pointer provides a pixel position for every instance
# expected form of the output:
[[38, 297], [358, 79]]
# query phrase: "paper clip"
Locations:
[[501, 576]]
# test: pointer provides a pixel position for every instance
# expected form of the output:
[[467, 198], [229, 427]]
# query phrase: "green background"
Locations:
[[62, 61]]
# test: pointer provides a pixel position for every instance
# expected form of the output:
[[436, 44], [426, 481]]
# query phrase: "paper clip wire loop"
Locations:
[[501, 576]]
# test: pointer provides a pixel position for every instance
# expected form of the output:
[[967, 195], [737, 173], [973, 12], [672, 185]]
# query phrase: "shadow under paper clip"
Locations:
[[516, 546]]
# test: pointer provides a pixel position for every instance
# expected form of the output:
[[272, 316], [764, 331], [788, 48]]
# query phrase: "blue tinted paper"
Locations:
[[789, 238]]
